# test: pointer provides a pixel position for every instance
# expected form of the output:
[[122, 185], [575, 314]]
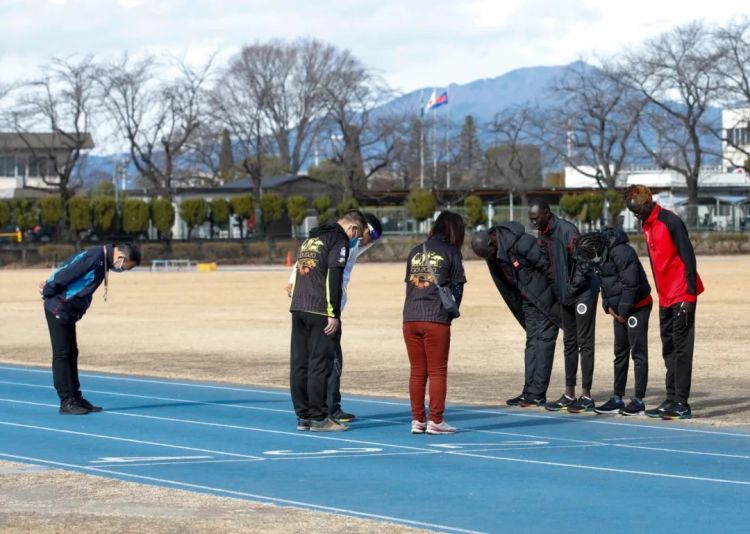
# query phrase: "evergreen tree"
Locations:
[[470, 159]]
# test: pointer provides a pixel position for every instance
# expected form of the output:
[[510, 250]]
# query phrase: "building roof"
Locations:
[[267, 182], [14, 141]]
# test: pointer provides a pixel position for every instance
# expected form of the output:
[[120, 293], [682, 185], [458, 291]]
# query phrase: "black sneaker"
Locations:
[[72, 407], [303, 424], [634, 407], [343, 417], [516, 401], [90, 407], [532, 401], [678, 410], [326, 425], [582, 404], [613, 405], [560, 404], [656, 412]]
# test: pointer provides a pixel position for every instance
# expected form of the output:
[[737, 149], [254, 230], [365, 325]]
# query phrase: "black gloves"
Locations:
[[686, 312]]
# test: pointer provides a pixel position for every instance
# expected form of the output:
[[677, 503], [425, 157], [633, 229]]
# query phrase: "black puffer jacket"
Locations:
[[571, 282], [521, 271], [624, 284]]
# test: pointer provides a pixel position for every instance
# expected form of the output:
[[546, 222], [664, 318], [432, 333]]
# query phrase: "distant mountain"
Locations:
[[483, 99]]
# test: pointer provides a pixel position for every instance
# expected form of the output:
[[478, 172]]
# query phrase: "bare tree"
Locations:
[[733, 72], [674, 73], [515, 160], [593, 126], [288, 82], [362, 141], [158, 119], [52, 119]]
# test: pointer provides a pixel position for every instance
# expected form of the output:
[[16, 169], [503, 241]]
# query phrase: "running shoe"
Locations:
[[656, 412], [560, 404], [343, 417], [72, 407], [532, 401], [439, 428], [303, 424], [634, 407], [678, 410], [90, 407], [582, 404], [516, 401], [613, 405], [418, 427], [327, 425]]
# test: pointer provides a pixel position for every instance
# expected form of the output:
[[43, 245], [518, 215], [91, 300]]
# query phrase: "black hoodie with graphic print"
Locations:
[[319, 273]]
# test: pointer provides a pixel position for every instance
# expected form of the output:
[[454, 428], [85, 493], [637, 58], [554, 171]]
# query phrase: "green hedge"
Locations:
[[53, 253]]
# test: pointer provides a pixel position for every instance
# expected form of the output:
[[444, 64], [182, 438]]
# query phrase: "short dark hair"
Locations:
[[540, 203], [451, 227], [131, 251], [355, 217]]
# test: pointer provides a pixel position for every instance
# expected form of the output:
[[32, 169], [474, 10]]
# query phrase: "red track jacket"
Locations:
[[672, 258]]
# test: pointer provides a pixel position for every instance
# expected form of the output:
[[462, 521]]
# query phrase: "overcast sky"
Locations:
[[411, 43]]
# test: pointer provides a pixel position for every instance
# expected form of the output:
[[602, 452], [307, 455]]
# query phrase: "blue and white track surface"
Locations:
[[505, 471]]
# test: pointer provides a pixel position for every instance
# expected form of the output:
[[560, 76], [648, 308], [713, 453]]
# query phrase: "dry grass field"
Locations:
[[234, 326]]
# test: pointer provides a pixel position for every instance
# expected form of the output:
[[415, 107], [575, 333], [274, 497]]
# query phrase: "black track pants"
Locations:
[[579, 323], [312, 355], [541, 336], [631, 340], [64, 357], [677, 341]]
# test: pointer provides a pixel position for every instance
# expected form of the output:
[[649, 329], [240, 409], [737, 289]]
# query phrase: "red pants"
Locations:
[[428, 345]]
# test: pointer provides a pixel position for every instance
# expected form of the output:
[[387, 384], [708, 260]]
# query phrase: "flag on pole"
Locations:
[[436, 101]]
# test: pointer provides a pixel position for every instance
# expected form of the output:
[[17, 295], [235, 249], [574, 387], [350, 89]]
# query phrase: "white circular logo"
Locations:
[[582, 308], [632, 321]]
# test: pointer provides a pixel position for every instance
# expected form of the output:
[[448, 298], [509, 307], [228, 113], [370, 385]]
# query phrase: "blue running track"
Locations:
[[505, 471]]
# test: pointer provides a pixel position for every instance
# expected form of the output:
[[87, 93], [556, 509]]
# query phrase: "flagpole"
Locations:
[[434, 144], [421, 139], [447, 158]]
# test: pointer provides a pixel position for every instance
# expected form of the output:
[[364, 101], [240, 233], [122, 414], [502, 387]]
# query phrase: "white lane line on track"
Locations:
[[129, 440], [232, 493], [389, 421], [361, 442], [404, 404], [301, 458], [606, 469], [682, 451], [304, 435]]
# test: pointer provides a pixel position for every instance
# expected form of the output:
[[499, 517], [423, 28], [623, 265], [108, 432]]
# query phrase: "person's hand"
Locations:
[[288, 289], [619, 318], [331, 327], [686, 311], [41, 288]]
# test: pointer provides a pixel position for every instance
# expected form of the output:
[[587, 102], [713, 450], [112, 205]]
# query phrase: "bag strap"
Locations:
[[429, 266]]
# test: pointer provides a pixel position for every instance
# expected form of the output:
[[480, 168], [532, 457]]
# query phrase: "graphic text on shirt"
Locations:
[[419, 272]]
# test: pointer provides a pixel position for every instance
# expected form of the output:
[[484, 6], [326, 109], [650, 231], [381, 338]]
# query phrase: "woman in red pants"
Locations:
[[427, 324]]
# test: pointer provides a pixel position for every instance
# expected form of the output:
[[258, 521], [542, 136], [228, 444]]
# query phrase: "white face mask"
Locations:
[[118, 268]]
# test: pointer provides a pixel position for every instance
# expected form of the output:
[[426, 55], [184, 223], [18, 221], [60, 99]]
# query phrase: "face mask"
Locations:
[[119, 268], [353, 242]]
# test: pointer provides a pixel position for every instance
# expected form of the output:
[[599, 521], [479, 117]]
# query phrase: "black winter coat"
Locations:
[[623, 279], [572, 283], [521, 271]]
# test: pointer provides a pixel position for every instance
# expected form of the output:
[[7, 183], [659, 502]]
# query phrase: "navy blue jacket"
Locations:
[[68, 291]]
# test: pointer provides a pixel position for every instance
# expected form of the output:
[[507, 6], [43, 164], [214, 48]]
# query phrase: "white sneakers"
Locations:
[[430, 427], [418, 427]]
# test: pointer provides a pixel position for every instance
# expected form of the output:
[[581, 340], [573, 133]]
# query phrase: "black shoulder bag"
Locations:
[[446, 296]]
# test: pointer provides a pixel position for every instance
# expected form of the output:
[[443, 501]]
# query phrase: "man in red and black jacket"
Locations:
[[678, 286]]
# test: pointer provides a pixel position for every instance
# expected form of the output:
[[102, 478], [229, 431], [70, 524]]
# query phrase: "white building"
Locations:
[[735, 124], [26, 159]]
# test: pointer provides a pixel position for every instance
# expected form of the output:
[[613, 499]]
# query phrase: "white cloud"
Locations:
[[412, 44]]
